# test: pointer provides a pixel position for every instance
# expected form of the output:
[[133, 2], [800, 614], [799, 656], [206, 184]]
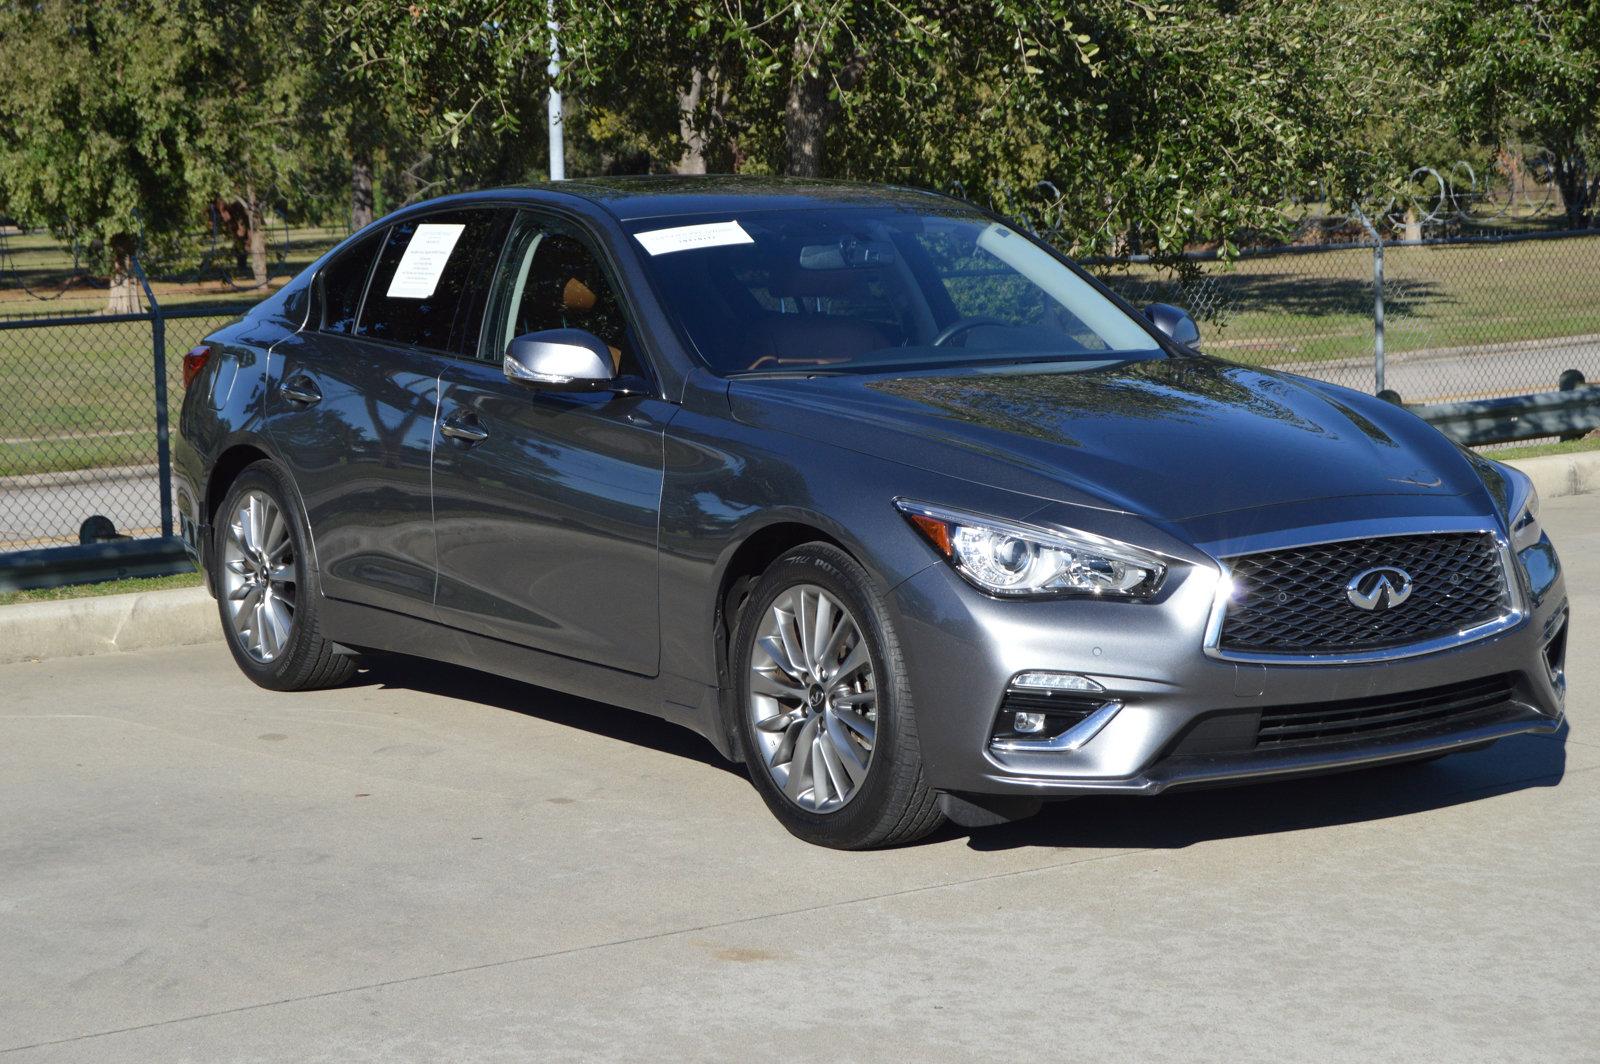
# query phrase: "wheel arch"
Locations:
[[230, 462], [226, 469], [753, 555]]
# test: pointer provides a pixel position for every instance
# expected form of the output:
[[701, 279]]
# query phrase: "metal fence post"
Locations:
[[158, 346], [1377, 298]]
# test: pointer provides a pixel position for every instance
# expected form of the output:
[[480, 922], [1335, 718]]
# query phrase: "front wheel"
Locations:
[[825, 716]]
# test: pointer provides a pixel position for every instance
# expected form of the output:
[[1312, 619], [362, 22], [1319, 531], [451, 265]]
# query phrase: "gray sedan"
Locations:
[[881, 495]]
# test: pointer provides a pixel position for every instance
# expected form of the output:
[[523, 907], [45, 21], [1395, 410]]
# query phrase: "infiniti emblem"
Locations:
[[1379, 589]]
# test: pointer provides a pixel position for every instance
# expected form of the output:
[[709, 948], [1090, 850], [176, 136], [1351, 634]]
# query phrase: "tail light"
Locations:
[[194, 362]]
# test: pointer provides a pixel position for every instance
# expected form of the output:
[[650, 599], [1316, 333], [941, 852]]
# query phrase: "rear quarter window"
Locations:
[[342, 282]]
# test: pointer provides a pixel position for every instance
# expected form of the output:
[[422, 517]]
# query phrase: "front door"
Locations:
[[547, 504]]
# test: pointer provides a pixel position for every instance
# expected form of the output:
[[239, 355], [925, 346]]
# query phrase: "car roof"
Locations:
[[675, 195]]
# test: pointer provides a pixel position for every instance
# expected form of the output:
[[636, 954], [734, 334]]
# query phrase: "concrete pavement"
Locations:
[[433, 864]]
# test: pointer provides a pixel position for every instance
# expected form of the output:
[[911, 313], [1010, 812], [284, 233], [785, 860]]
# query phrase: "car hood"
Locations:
[[1164, 438]]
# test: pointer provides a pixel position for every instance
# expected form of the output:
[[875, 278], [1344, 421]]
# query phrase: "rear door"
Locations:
[[547, 520], [354, 399]]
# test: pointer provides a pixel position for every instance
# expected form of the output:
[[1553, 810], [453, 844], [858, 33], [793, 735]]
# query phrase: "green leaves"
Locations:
[[1121, 125]]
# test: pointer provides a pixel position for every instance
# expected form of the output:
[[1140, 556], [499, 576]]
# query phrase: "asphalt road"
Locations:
[[1466, 372], [435, 865], [47, 509]]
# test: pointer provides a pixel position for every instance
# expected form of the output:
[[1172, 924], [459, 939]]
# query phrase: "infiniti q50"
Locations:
[[882, 496]]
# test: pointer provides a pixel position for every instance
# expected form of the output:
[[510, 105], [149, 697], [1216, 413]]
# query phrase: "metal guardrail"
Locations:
[[93, 563], [1568, 413]]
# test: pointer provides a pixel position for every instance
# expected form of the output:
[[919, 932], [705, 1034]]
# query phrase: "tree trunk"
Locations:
[[255, 218], [809, 111], [805, 120], [693, 159], [1577, 194], [360, 190], [123, 297]]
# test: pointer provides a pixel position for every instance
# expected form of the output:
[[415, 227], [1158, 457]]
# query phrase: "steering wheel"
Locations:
[[961, 326]]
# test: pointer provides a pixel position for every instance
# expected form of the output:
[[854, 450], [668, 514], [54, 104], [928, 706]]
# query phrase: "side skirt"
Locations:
[[681, 701]]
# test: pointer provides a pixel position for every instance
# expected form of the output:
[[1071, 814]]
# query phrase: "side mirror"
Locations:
[[1175, 322], [569, 360]]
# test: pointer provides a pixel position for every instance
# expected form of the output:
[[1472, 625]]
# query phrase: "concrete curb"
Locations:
[[1556, 475], [113, 623], [107, 624]]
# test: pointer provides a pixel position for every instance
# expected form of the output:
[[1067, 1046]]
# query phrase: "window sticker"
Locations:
[[424, 260], [692, 237]]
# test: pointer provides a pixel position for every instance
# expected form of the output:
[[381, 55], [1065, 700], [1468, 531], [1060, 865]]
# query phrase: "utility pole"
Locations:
[[558, 149]]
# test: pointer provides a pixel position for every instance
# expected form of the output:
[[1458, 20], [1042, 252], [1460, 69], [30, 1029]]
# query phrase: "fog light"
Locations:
[[1028, 723]]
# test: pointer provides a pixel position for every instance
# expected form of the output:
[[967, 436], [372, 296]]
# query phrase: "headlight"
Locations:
[[1523, 509], [1010, 558]]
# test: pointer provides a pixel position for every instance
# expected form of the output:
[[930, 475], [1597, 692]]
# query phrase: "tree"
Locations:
[[1522, 73], [97, 133], [444, 90], [258, 139], [1120, 125]]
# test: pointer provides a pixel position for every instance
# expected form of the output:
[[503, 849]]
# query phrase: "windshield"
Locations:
[[867, 288]]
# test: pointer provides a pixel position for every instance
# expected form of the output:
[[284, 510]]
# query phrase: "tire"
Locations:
[[886, 804], [256, 596]]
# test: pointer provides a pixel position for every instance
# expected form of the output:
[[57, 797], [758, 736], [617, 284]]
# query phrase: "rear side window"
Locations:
[[342, 281], [431, 272]]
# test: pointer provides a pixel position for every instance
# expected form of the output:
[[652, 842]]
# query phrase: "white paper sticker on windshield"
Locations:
[[418, 273], [690, 237]]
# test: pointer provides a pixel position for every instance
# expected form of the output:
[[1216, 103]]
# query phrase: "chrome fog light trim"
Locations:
[[1071, 739]]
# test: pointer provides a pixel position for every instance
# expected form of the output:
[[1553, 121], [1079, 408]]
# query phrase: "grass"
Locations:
[[83, 396], [1539, 450], [1318, 307], [111, 587]]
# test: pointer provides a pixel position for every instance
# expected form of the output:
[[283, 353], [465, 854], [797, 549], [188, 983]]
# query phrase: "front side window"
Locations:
[[427, 278], [552, 279], [863, 288]]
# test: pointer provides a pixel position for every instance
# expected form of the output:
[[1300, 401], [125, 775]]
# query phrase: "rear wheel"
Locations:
[[825, 717], [267, 591]]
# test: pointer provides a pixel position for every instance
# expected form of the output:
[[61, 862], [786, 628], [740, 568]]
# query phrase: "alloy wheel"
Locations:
[[813, 699], [258, 576]]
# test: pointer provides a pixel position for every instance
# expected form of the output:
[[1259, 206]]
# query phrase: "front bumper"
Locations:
[[962, 649]]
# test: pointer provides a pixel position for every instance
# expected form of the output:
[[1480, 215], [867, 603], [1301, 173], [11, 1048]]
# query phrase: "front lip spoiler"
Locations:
[[1514, 719]]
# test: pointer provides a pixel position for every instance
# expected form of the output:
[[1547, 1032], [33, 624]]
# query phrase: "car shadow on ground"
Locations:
[[1182, 818], [1169, 821], [597, 718]]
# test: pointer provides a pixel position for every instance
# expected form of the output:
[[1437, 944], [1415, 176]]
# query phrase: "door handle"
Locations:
[[463, 425], [300, 389]]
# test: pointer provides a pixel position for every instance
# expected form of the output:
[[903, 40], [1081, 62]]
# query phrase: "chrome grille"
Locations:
[[1294, 601]]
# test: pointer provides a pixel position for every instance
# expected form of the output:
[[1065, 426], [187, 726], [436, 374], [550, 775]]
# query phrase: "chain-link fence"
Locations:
[[88, 401], [1433, 321], [82, 415]]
